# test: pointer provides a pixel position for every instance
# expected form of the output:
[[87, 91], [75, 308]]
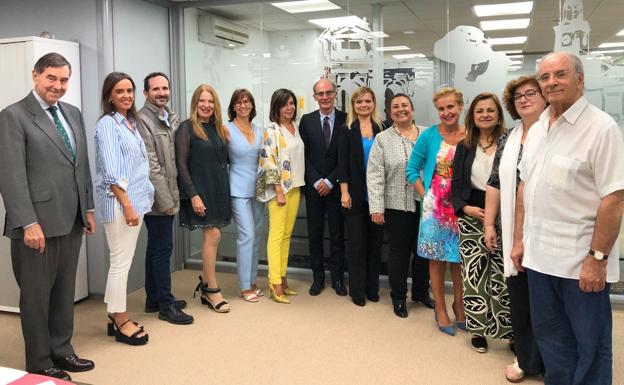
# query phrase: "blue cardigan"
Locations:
[[425, 153]]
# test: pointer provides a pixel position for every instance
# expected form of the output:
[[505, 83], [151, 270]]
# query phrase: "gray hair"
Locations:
[[53, 60], [320, 80], [576, 61]]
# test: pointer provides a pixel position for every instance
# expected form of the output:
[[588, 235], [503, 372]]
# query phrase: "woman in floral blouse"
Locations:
[[280, 175]]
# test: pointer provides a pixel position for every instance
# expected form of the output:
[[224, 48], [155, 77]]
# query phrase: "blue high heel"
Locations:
[[462, 326], [450, 330]]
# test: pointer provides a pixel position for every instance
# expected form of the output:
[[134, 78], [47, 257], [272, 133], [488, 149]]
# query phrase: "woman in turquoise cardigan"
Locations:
[[430, 170]]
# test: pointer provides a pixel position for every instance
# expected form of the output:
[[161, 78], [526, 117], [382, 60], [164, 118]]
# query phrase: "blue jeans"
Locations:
[[157, 259], [248, 215], [572, 329]]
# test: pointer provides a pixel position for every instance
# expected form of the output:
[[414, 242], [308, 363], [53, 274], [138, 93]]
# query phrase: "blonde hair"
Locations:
[[444, 91], [351, 115], [215, 119]]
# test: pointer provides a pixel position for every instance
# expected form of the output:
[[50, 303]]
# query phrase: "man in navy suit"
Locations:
[[320, 131]]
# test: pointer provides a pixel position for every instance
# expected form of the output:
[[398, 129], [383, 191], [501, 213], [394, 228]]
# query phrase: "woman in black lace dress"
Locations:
[[201, 159]]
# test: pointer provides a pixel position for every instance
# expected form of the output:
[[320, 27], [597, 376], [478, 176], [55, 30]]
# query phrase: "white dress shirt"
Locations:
[[567, 169]]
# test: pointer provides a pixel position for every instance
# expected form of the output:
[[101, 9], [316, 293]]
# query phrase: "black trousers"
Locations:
[[316, 207], [364, 241], [527, 352], [402, 227], [47, 284]]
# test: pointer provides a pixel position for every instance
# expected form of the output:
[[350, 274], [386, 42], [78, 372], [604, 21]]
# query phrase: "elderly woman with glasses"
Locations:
[[523, 100]]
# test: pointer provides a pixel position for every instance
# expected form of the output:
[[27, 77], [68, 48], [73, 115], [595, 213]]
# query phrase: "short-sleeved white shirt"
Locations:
[[567, 170]]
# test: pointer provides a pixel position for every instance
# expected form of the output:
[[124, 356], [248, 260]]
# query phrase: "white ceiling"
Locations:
[[431, 19]]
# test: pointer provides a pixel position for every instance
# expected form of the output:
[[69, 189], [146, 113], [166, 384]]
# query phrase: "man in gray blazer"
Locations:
[[47, 191]]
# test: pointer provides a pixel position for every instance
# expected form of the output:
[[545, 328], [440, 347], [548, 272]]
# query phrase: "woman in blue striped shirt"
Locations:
[[124, 194]]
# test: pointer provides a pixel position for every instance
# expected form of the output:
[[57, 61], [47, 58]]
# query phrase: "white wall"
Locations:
[[270, 60]]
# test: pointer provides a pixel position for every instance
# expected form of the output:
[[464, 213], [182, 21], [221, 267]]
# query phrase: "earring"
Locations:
[[110, 101]]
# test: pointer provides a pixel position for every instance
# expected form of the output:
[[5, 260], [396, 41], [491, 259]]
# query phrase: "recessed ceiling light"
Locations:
[[611, 45], [621, 33], [508, 40], [410, 32], [609, 51], [492, 25], [306, 6], [378, 34], [392, 48], [408, 56], [503, 9], [343, 21]]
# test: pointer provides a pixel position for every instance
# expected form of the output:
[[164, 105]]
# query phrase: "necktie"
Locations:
[[61, 131], [326, 131]]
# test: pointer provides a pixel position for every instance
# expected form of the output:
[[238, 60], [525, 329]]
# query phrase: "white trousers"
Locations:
[[122, 240]]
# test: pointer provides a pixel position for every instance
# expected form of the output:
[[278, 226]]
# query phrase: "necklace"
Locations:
[[485, 148], [246, 132], [412, 135]]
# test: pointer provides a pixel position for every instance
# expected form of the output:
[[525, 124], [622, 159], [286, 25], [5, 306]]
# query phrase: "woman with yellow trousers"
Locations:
[[280, 176]]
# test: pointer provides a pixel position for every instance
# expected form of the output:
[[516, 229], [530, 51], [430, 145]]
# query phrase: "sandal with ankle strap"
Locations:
[[133, 339], [110, 326], [221, 307]]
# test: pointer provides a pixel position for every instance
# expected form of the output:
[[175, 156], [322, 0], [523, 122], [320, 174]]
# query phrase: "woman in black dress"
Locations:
[[201, 159]]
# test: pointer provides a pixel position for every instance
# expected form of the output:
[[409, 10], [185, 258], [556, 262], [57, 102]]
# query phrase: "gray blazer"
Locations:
[[40, 181]]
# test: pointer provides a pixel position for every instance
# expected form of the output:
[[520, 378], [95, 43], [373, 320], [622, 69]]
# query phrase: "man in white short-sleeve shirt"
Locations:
[[569, 211]]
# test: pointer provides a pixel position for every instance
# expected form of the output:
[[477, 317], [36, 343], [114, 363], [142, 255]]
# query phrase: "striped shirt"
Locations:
[[121, 160]]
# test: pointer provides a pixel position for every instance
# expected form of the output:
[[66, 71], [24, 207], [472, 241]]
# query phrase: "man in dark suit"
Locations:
[[47, 191], [320, 132]]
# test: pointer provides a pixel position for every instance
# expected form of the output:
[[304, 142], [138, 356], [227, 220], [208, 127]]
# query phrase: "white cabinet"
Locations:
[[17, 58]]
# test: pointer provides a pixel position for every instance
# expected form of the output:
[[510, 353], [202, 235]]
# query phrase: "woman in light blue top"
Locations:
[[430, 170], [248, 212], [124, 194]]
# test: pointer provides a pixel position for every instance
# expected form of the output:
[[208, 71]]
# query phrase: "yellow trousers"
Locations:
[[281, 223]]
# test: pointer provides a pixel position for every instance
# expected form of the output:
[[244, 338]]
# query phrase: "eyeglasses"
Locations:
[[529, 94], [323, 94], [241, 103], [544, 78]]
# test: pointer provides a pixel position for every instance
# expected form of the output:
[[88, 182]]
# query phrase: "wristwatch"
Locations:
[[599, 255]]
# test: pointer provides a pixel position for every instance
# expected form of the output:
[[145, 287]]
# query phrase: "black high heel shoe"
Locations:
[[221, 307], [134, 339]]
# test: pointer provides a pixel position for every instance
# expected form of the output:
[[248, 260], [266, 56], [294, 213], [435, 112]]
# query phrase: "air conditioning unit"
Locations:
[[219, 31]]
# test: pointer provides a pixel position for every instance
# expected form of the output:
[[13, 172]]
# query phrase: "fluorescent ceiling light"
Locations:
[[513, 68], [408, 56], [611, 45], [378, 34], [393, 48], [509, 40], [503, 9], [410, 32], [306, 6], [609, 51], [516, 62], [334, 22], [510, 51], [515, 56], [621, 33], [492, 25]]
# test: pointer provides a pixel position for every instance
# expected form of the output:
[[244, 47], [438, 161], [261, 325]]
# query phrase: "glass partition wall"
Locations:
[[413, 47]]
